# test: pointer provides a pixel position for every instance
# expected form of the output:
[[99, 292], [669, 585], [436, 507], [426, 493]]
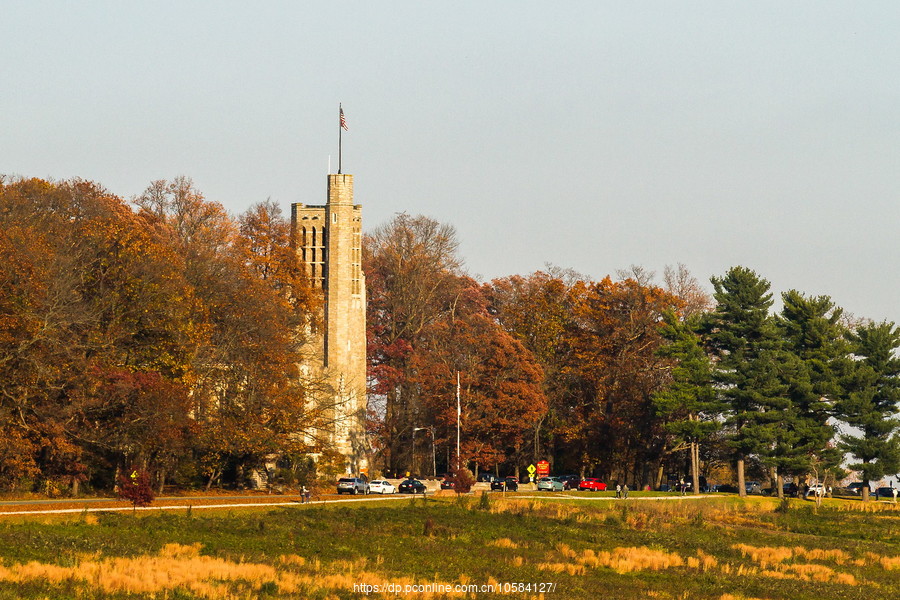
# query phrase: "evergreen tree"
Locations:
[[743, 343], [871, 401], [689, 406], [813, 338]]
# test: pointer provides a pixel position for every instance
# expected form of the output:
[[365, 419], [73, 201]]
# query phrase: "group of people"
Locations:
[[621, 491]]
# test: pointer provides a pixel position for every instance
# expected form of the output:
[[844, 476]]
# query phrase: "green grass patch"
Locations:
[[717, 548]]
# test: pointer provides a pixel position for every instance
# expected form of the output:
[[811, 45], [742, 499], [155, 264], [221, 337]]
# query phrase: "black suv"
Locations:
[[570, 482], [510, 484]]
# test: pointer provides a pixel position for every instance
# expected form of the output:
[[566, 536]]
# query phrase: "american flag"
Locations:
[[344, 121]]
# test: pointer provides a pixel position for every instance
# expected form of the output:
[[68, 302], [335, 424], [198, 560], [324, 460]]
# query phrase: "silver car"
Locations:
[[551, 484], [352, 485]]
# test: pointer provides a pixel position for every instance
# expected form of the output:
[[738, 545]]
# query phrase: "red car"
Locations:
[[594, 485]]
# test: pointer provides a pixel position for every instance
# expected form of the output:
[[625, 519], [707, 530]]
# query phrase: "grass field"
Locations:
[[722, 548]]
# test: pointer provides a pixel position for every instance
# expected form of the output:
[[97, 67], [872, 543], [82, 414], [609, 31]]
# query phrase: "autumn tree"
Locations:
[[92, 291], [536, 310], [502, 395], [254, 307], [613, 363], [412, 280]]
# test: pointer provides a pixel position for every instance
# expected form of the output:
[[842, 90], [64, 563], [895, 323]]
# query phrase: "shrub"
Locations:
[[135, 487], [463, 480]]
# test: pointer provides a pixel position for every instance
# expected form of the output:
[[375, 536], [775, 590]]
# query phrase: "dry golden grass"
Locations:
[[703, 561], [179, 566], [772, 563], [503, 543], [621, 560], [888, 563]]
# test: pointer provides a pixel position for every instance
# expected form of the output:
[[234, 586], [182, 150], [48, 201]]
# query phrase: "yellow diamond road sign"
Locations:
[[531, 469]]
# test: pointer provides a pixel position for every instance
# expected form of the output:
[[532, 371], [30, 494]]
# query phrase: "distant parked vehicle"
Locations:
[[570, 482], [510, 484], [816, 489], [592, 484], [412, 486], [856, 488], [884, 492], [486, 477], [550, 484], [448, 484], [352, 485], [380, 486]]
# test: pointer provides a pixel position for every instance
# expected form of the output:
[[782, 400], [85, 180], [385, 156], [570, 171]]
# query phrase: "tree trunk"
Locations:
[[659, 475], [779, 483], [865, 490], [162, 482], [695, 466], [742, 488]]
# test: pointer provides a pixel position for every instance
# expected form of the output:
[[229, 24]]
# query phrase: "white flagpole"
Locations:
[[458, 417]]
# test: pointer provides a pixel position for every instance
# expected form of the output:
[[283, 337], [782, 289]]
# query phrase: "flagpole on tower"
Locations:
[[342, 126]]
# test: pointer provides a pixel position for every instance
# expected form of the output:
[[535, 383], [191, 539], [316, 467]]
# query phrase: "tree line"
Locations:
[[164, 335], [624, 379]]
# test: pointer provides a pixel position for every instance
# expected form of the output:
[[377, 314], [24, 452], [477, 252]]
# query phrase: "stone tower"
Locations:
[[328, 240]]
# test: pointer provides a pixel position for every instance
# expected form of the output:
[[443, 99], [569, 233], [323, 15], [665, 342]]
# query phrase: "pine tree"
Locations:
[[689, 405], [871, 399], [813, 337], [743, 343]]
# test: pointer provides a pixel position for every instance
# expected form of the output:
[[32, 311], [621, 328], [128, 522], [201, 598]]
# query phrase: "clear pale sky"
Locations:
[[591, 135]]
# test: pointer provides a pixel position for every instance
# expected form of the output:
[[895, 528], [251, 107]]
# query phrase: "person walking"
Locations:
[[618, 491], [625, 491]]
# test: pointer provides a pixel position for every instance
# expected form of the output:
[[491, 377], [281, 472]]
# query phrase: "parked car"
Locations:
[[816, 488], [411, 486], [570, 482], [352, 485], [550, 484], [486, 477], [753, 487], [447, 484], [856, 488], [884, 492], [665, 487], [592, 484], [725, 488], [380, 486], [508, 484]]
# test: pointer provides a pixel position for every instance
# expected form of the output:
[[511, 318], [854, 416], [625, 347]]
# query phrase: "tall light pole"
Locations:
[[433, 457], [412, 451]]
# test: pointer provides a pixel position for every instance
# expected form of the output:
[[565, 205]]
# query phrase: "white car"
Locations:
[[816, 489], [380, 486]]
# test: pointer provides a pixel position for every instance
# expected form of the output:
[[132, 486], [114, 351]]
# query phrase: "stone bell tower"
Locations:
[[328, 240]]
